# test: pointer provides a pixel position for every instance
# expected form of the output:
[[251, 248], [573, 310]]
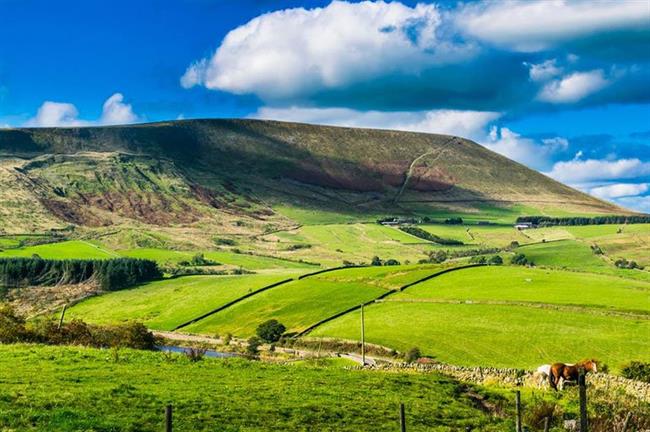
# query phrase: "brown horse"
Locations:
[[561, 372]]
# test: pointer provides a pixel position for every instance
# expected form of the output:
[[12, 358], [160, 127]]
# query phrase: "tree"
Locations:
[[270, 331], [376, 261], [495, 260], [413, 355], [253, 347], [391, 262]]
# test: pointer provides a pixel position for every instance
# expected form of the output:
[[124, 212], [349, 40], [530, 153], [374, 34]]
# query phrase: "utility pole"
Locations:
[[363, 338]]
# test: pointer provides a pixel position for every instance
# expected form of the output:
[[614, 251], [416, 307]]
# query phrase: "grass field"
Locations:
[[163, 305], [302, 303], [498, 335], [73, 388], [74, 249], [476, 316], [521, 284]]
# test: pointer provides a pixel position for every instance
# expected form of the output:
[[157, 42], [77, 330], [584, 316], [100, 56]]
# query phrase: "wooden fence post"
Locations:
[[363, 338], [583, 402], [168, 418], [518, 408], [402, 418], [547, 424]]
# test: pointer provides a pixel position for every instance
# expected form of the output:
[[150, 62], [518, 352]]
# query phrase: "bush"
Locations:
[[12, 325], [413, 355], [425, 235], [520, 259], [195, 354], [637, 370], [224, 241], [376, 261], [270, 331], [253, 347], [391, 262], [495, 260]]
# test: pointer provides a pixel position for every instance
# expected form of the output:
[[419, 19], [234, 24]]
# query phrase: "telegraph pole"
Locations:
[[363, 338]]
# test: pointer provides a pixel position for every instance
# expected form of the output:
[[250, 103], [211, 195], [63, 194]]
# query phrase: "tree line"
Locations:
[[597, 220], [425, 235], [111, 275]]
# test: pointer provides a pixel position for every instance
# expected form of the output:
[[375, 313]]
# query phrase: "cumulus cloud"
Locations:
[[534, 153], [573, 87], [59, 114], [469, 124], [537, 25], [639, 203], [544, 71], [619, 190], [115, 111], [583, 171]]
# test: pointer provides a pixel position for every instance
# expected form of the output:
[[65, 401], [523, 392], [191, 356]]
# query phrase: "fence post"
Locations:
[[168, 418], [518, 408], [583, 401], [402, 418], [547, 423], [363, 338]]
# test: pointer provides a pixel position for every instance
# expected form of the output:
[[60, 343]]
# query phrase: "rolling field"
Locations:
[[498, 335], [476, 316], [302, 303], [162, 305], [95, 392], [74, 249]]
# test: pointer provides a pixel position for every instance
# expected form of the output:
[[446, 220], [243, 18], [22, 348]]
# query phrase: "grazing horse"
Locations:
[[541, 374], [561, 372]]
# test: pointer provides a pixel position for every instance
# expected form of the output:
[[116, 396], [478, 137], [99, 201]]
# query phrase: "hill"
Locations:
[[250, 177]]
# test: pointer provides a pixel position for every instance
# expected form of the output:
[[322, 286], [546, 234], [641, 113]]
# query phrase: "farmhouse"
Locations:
[[523, 225]]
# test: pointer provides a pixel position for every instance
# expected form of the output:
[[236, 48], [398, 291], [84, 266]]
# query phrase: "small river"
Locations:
[[208, 353]]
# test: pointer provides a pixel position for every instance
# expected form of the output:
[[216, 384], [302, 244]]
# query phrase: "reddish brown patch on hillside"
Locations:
[[392, 173], [207, 196], [337, 176], [73, 213], [430, 179]]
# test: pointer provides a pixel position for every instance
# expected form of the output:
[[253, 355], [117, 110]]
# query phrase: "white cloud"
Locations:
[[115, 111], [583, 171], [544, 71], [290, 52], [536, 25], [468, 124], [573, 87], [527, 151], [638, 203], [58, 114], [619, 190]]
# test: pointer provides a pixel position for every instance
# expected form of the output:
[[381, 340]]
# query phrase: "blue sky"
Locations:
[[562, 86]]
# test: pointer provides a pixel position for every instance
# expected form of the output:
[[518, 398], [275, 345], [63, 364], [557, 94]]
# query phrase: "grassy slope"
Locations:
[[93, 392], [75, 249], [302, 303], [495, 334], [165, 304], [520, 284]]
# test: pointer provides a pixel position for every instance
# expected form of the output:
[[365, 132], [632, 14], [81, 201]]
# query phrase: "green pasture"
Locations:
[[302, 303], [521, 284], [73, 249], [61, 389], [163, 305], [497, 335]]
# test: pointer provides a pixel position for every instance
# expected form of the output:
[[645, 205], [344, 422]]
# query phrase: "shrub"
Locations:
[[478, 260], [253, 347], [195, 354], [12, 325], [224, 241], [520, 259], [425, 235], [227, 339], [413, 355], [270, 331], [538, 410], [495, 260], [454, 221], [637, 370], [391, 262], [376, 261]]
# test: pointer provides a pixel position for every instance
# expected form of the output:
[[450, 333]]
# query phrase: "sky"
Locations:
[[561, 86]]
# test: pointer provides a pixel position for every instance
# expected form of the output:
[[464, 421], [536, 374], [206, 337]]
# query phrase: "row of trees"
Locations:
[[111, 274], [425, 235], [598, 220]]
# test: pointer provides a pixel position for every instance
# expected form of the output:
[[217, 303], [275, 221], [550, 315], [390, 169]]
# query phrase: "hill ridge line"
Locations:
[[383, 296]]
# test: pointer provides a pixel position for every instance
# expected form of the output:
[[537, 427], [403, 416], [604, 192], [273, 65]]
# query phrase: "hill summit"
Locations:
[[185, 173]]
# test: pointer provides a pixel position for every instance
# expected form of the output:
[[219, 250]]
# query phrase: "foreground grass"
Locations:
[[498, 335], [66, 389], [162, 305]]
